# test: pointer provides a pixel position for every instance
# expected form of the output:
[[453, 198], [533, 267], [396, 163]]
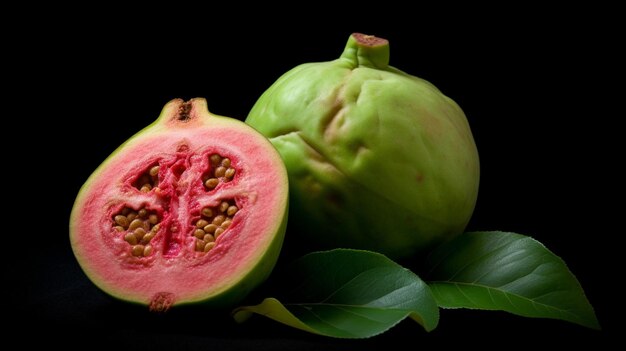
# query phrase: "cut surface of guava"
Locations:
[[192, 208]]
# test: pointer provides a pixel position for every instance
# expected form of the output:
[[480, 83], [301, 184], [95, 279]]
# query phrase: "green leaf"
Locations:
[[348, 294], [509, 272]]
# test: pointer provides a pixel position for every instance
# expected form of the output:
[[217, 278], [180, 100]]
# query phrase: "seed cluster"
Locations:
[[139, 227], [148, 180], [213, 222], [221, 170]]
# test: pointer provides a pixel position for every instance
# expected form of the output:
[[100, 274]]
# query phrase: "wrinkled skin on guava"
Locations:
[[377, 159]]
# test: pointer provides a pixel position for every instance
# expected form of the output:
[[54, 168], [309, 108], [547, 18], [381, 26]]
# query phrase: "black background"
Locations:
[[532, 84]]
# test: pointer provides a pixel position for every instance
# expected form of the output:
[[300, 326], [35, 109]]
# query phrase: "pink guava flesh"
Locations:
[[181, 143]]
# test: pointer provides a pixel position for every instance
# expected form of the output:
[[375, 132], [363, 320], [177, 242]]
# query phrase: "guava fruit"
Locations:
[[191, 209], [377, 159]]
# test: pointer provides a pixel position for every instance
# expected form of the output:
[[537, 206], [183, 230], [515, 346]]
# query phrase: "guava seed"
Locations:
[[137, 250], [153, 219], [200, 245], [220, 171], [229, 173], [199, 233], [232, 210], [223, 206], [211, 183], [130, 238], [207, 212], [139, 233], [121, 220], [218, 219], [136, 223], [147, 238], [154, 171], [215, 159], [210, 228], [218, 232], [201, 223]]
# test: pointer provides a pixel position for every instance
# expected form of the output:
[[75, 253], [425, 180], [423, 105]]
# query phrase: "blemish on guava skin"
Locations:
[[335, 199], [419, 177]]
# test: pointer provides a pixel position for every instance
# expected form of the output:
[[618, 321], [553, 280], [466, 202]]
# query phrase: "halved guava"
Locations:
[[193, 208]]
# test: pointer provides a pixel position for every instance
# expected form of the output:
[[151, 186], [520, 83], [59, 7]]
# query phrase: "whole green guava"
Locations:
[[377, 159]]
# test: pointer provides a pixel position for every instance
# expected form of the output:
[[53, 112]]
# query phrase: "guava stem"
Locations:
[[367, 50]]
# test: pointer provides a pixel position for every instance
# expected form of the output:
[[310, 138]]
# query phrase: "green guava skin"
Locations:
[[377, 159]]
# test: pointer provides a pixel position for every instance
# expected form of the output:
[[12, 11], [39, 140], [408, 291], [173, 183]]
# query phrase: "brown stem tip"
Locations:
[[369, 40], [184, 110]]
